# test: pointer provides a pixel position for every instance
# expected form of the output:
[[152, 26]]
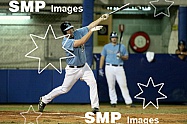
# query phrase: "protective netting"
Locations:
[[25, 42]]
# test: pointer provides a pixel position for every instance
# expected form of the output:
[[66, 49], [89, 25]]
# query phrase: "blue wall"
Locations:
[[182, 30], [87, 18], [167, 69], [26, 86]]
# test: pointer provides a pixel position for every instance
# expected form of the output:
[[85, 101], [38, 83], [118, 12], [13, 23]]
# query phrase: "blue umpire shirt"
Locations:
[[79, 52], [110, 53]]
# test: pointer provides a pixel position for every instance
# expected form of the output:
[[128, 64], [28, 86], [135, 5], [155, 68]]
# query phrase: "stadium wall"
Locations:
[[26, 86]]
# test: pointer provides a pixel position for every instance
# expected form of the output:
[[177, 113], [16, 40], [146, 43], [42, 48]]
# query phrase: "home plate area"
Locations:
[[166, 114]]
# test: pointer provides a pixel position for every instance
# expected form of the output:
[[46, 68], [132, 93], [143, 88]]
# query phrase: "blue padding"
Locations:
[[3, 86], [101, 82], [182, 24], [26, 86], [78, 94], [167, 69], [87, 18]]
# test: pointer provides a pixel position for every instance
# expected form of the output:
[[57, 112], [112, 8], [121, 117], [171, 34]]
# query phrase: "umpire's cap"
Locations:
[[113, 34], [65, 26]]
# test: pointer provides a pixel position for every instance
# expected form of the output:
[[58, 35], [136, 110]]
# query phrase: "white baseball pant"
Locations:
[[71, 76], [114, 73]]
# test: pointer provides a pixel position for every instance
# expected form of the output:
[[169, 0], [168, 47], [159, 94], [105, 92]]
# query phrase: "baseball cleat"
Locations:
[[41, 105], [95, 110], [113, 105], [130, 106]]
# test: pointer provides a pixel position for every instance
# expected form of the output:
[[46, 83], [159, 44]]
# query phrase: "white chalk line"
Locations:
[[47, 115], [76, 116], [58, 113]]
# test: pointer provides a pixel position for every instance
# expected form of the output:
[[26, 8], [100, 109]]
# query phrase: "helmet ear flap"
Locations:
[[62, 27], [64, 32]]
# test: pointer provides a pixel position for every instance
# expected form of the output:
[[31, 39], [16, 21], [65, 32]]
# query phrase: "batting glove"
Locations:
[[96, 28], [101, 72], [104, 17]]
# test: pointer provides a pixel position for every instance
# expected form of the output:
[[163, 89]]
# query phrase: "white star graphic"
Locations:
[[25, 120], [36, 47], [168, 13], [150, 102]]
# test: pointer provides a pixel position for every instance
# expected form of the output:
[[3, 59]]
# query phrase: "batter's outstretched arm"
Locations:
[[102, 60], [83, 40], [96, 22]]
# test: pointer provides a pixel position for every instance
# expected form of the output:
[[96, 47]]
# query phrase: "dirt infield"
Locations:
[[75, 114]]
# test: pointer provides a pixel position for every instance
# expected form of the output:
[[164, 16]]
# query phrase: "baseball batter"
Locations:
[[114, 69], [76, 67]]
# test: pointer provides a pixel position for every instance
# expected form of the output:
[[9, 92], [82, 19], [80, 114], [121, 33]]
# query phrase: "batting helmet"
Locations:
[[65, 26], [113, 34]]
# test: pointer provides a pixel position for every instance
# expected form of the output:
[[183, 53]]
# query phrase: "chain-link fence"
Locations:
[[26, 42]]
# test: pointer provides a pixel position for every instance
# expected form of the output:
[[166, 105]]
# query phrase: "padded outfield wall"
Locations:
[[26, 86]]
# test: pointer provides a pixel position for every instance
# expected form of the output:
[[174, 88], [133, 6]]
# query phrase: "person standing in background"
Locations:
[[181, 51], [114, 69]]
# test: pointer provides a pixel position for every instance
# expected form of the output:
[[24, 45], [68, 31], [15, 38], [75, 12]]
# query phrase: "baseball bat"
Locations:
[[119, 9], [121, 29]]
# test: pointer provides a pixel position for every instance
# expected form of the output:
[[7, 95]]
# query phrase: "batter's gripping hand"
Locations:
[[118, 55], [96, 28], [104, 17], [101, 72]]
